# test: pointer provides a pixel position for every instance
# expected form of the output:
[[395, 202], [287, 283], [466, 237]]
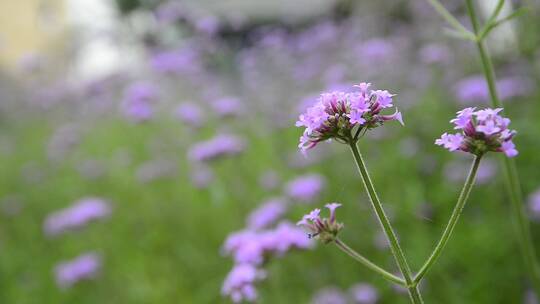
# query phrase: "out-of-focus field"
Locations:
[[162, 242]]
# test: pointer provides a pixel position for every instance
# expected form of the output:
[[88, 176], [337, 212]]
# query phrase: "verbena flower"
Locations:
[[82, 212], [481, 131], [83, 267], [336, 114], [239, 284], [326, 229]]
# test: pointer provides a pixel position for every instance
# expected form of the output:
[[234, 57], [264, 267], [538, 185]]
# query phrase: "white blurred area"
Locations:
[[99, 47]]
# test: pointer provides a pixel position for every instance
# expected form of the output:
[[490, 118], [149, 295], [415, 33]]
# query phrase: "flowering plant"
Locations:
[[347, 116]]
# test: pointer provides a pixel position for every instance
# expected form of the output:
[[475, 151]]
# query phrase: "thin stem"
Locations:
[[451, 19], [462, 200], [397, 252], [358, 257], [512, 179]]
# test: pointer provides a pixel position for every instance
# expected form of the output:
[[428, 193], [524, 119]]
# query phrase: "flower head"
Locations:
[[481, 131], [324, 228], [83, 267], [336, 114]]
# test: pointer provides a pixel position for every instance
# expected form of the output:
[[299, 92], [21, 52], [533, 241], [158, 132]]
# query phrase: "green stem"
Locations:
[[358, 257], [462, 200], [397, 252], [510, 169]]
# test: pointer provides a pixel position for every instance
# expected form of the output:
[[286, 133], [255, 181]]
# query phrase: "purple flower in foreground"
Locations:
[[267, 214], [239, 284], [76, 216], [305, 188], [83, 267], [326, 229], [336, 114], [481, 131], [364, 294]]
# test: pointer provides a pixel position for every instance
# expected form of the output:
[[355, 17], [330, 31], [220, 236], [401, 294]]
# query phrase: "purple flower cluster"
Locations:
[[326, 229], [83, 267], [252, 248], [336, 114], [305, 188], [221, 145], [267, 214], [76, 216], [481, 131]]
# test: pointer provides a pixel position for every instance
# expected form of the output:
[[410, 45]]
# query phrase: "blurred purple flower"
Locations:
[[254, 247], [534, 204], [305, 188], [267, 214], [377, 49], [78, 215], [83, 267], [227, 106], [363, 293], [329, 295], [239, 283], [219, 146], [181, 61], [191, 114], [137, 103], [63, 140], [473, 89]]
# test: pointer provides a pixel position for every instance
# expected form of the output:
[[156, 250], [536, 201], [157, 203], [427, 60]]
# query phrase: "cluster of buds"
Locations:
[[325, 229], [336, 114], [481, 131]]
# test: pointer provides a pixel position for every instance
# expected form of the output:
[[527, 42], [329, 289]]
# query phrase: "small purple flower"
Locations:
[[267, 214], [363, 293], [336, 114], [482, 131], [239, 283], [83, 267], [326, 229], [305, 188], [219, 146], [78, 215]]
